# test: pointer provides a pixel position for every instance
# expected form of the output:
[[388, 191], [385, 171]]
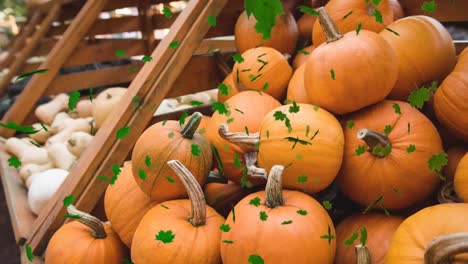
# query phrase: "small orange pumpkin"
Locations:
[[179, 231], [264, 69], [149, 157], [84, 240], [302, 56], [460, 181], [296, 89], [305, 25], [454, 155], [263, 217]]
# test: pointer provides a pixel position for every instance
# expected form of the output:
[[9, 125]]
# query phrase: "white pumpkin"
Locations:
[[43, 186]]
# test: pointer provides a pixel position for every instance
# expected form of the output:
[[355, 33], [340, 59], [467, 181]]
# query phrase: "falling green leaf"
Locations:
[[73, 99], [256, 259], [170, 134], [167, 12], [147, 161], [350, 240], [196, 150], [387, 129], [328, 236], [348, 14], [308, 10], [302, 179], [132, 69], [332, 74], [419, 97], [374, 203], [265, 87], [376, 2], [142, 174], [429, 6], [244, 182], [14, 162], [196, 103], [360, 150], [287, 222], [358, 29], [223, 89], [303, 52], [378, 16], [437, 161], [220, 108], [225, 227], [68, 200], [29, 252], [255, 201], [102, 178], [233, 213], [265, 13], [123, 132], [363, 236], [120, 53], [397, 109], [327, 205], [127, 261], [393, 31], [278, 115], [116, 170], [297, 140], [314, 135], [350, 124], [411, 148], [409, 127], [67, 215], [294, 108], [146, 58], [228, 241], [163, 206], [174, 44], [165, 236], [182, 118], [29, 74], [18, 128], [238, 58], [302, 212], [212, 21]]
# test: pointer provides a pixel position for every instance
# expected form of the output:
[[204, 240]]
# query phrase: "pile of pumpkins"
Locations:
[[361, 108]]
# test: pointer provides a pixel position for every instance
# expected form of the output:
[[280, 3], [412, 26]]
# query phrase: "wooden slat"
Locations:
[[152, 84], [226, 21], [145, 13], [45, 46], [446, 11], [57, 57], [105, 26], [95, 78], [17, 199], [204, 109]]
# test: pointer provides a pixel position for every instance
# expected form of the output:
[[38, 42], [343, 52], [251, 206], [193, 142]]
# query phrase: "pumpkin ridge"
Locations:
[[169, 153]]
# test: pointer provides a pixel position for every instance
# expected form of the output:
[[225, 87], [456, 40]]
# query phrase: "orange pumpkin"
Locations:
[[179, 231], [149, 157], [414, 239], [395, 166], [310, 146], [283, 37], [296, 90], [84, 240], [417, 37], [302, 56], [305, 25], [125, 204], [451, 99], [232, 88], [272, 215], [460, 181], [355, 11], [454, 155], [351, 71], [245, 111], [264, 69], [380, 229], [398, 12]]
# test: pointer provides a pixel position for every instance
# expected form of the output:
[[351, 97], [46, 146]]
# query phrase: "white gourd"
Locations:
[[43, 187]]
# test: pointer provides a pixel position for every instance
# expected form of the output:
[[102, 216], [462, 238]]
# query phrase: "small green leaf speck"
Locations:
[[225, 227], [429, 6], [350, 240], [212, 21], [73, 99], [256, 259], [360, 150], [302, 212], [411, 148], [165, 236], [167, 12], [287, 222], [142, 174], [358, 29], [327, 205], [350, 124], [196, 150], [332, 74], [302, 179], [263, 216], [123, 132], [14, 162], [174, 44], [397, 109], [68, 200]]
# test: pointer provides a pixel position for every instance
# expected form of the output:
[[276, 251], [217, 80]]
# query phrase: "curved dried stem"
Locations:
[[90, 221], [216, 177], [192, 125], [328, 25], [362, 254], [252, 169], [273, 189], [373, 139], [447, 194], [247, 142], [442, 250]]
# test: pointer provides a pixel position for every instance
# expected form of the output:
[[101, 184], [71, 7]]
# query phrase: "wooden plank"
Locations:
[[17, 199], [226, 21], [152, 84], [95, 78], [57, 57], [106, 26], [446, 11], [204, 109], [145, 13], [45, 46]]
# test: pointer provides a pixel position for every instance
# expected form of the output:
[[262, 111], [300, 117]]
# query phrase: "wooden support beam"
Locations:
[[147, 28]]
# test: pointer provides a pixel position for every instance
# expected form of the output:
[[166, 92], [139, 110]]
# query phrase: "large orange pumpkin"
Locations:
[[264, 69], [415, 237], [296, 89], [308, 142], [283, 37], [348, 14], [417, 37], [351, 71], [392, 166], [245, 112], [454, 155], [460, 181], [164, 141], [261, 219], [84, 240], [179, 231], [451, 99], [380, 229], [125, 204]]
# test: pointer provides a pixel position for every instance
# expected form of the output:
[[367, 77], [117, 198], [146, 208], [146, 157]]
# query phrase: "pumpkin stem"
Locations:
[[362, 254], [328, 25], [441, 250], [192, 125], [221, 63], [252, 169], [216, 177], [88, 220], [273, 189], [373, 139], [194, 191], [247, 142], [447, 194]]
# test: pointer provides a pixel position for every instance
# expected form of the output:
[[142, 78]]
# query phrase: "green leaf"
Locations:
[[163, 206], [147, 161], [14, 162], [350, 240], [182, 118], [255, 259], [374, 203], [167, 12], [255, 201], [73, 99], [233, 213], [254, 77], [225, 227], [383, 151], [297, 140], [123, 132], [378, 16], [223, 89], [363, 236], [116, 170], [265, 86], [196, 150], [238, 58], [244, 182], [409, 127], [437, 161], [358, 29], [146, 58], [376, 2], [419, 97], [387, 129], [327, 205], [238, 110], [411, 148], [136, 101], [67, 215], [429, 6], [360, 150], [91, 94], [393, 31], [218, 159], [196, 103], [29, 74], [220, 108], [316, 107], [127, 261], [174, 44], [212, 21], [302, 212], [237, 161], [132, 69], [68, 200], [397, 109], [294, 108], [263, 216], [328, 236], [314, 135], [348, 14], [102, 178], [303, 52], [119, 53], [170, 179], [332, 74], [165, 236], [228, 241], [287, 222], [170, 134], [302, 178], [350, 124], [18, 128], [278, 115], [265, 13], [29, 252], [142, 174], [308, 10]]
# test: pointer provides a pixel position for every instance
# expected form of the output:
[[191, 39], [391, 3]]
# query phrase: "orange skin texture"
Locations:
[[301, 58], [254, 107], [320, 161], [425, 53], [298, 242], [296, 90], [451, 99], [190, 244], [380, 229], [363, 64], [455, 154], [276, 73], [157, 144], [305, 24], [415, 233], [398, 12], [283, 38], [125, 204], [461, 179], [232, 88], [364, 178], [73, 243], [339, 8]]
